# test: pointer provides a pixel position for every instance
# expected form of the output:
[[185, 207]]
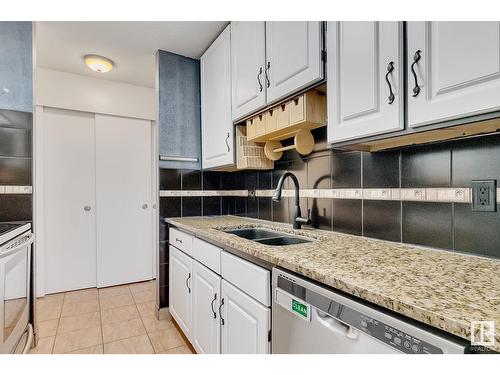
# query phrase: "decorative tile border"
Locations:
[[15, 189], [203, 193], [450, 195]]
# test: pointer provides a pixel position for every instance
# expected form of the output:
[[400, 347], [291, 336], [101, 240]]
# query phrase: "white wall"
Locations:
[[77, 92]]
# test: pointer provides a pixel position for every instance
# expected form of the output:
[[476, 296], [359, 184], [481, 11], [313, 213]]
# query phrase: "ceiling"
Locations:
[[131, 45]]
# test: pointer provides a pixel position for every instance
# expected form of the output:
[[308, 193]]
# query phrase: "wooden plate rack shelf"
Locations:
[[295, 118]]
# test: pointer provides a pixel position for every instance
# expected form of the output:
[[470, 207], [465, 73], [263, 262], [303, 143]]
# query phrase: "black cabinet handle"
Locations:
[[258, 79], [416, 59], [187, 282], [178, 240], [212, 305], [220, 306], [227, 144], [268, 82], [390, 68]]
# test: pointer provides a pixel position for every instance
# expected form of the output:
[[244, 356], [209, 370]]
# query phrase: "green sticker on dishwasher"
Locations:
[[299, 308]]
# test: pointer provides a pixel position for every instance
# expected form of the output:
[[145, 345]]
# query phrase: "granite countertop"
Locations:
[[443, 289]]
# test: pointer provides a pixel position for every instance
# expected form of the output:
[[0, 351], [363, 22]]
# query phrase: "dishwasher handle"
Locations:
[[335, 325], [306, 311]]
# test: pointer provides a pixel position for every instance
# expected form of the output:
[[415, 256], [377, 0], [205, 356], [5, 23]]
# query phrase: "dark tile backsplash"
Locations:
[[15, 142], [428, 224], [15, 164], [381, 170], [442, 225], [382, 220], [170, 179], [346, 170], [476, 232], [348, 216], [15, 171], [16, 207], [426, 166], [170, 207], [475, 159]]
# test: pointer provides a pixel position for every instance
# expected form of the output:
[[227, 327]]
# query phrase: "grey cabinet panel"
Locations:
[[16, 66], [179, 110]]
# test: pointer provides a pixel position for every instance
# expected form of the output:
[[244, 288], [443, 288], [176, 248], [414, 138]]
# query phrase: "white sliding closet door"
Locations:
[[123, 198], [69, 200]]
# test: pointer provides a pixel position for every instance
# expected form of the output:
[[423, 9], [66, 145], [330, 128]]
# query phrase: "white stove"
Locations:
[[16, 332], [10, 230]]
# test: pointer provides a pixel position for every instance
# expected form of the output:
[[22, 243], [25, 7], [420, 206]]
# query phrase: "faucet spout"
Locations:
[[298, 220]]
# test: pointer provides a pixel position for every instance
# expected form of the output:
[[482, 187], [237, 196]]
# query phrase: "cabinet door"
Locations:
[[458, 73], [180, 288], [293, 57], [364, 67], [247, 67], [217, 129], [206, 320], [245, 323]]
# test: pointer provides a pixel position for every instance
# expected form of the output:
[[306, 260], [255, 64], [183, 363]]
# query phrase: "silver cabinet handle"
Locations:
[[179, 158], [87, 208], [144, 206]]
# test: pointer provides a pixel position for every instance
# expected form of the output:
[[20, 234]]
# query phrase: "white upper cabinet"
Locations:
[[180, 288], [206, 320], [247, 67], [293, 57], [365, 79], [216, 122], [454, 68]]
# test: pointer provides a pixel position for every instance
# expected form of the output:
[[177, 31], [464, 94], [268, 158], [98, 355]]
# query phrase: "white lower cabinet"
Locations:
[[180, 289], [245, 323], [205, 315], [214, 314]]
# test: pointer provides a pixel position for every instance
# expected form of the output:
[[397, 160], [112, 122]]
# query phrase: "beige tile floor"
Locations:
[[115, 320]]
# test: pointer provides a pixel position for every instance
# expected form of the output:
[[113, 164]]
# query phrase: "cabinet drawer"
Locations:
[[283, 115], [271, 120], [297, 110], [252, 279], [207, 254], [181, 240]]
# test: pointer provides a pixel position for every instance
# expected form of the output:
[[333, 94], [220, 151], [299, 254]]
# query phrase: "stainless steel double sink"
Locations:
[[267, 237]]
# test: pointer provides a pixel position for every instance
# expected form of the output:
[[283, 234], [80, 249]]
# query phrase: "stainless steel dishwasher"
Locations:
[[308, 318]]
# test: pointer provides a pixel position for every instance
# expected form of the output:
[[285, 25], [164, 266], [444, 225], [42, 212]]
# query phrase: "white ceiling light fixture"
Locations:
[[99, 64]]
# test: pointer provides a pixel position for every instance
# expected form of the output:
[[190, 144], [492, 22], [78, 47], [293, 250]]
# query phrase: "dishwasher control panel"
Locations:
[[396, 338]]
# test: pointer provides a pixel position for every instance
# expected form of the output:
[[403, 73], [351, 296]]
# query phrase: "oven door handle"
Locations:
[[15, 249]]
